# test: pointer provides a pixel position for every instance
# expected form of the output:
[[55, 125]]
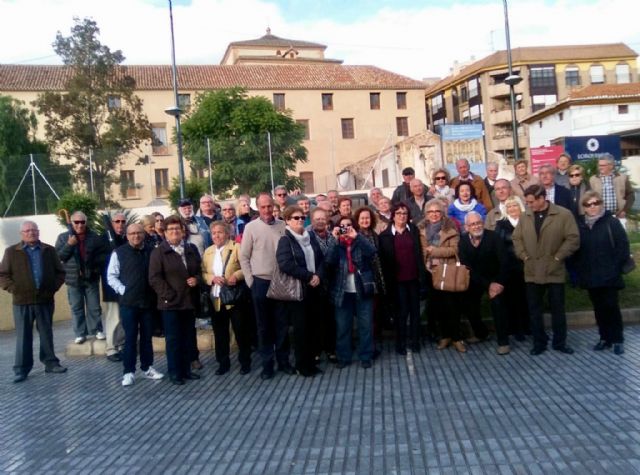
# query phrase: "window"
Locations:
[[159, 139], [278, 102], [401, 100], [347, 129], [623, 75], [561, 116], [596, 73], [327, 102], [162, 182], [473, 87], [464, 94], [374, 101], [436, 104], [542, 77], [542, 101], [385, 178], [572, 76], [184, 102], [623, 109], [402, 126], [113, 102], [465, 117], [305, 124], [128, 184], [307, 182], [475, 114]]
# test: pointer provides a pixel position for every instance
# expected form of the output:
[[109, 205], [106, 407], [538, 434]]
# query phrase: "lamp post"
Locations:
[[175, 110], [512, 80]]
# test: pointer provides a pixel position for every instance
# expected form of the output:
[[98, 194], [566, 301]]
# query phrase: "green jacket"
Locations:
[[544, 256]]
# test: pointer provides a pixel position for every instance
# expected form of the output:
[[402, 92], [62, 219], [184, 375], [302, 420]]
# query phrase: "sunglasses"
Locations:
[[119, 221], [574, 175], [441, 178], [593, 204], [79, 222], [297, 218]]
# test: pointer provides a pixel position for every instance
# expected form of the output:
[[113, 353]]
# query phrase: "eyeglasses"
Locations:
[[441, 178], [434, 211], [79, 222], [297, 218], [592, 204], [574, 175], [119, 221], [227, 209], [281, 194], [475, 223], [401, 212]]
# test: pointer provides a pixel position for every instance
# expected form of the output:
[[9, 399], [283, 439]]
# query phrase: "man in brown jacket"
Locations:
[[615, 189], [32, 272], [465, 175], [545, 236]]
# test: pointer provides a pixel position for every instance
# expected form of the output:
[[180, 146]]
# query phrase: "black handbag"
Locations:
[[629, 264], [231, 294]]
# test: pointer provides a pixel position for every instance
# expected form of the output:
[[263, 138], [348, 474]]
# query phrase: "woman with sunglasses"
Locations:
[[300, 256], [577, 188], [604, 248], [440, 185]]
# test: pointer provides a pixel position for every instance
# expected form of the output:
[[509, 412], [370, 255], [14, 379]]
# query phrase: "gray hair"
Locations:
[[492, 165], [608, 157], [470, 215], [79, 214], [548, 167]]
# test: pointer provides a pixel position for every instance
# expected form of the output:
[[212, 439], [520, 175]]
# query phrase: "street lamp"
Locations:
[[175, 111], [511, 80]]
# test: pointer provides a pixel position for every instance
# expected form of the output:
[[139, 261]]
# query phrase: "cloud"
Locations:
[[418, 42]]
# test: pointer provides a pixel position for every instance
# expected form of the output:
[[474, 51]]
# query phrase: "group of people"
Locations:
[[323, 270]]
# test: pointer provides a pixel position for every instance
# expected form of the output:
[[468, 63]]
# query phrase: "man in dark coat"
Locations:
[[556, 194], [484, 254], [32, 272], [403, 192]]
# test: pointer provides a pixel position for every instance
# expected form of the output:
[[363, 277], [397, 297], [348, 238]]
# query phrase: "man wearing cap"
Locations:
[[465, 175], [198, 232], [32, 273], [403, 192]]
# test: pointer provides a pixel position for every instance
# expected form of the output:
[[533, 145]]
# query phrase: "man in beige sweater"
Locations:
[[258, 261]]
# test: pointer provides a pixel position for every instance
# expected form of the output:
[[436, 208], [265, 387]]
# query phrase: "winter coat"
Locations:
[[89, 270], [291, 261], [387, 253], [625, 196], [445, 252], [544, 256], [482, 194], [168, 277], [487, 263], [362, 252]]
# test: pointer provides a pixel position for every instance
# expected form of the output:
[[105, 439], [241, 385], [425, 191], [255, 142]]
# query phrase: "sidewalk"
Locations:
[[434, 412]]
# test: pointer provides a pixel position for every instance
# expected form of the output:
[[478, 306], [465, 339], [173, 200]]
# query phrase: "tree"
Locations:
[[236, 126], [99, 112], [17, 141]]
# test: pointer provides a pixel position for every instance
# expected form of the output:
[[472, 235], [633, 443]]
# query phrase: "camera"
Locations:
[[343, 229]]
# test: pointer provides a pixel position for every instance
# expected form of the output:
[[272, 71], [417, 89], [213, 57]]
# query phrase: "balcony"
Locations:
[[504, 116], [504, 141], [502, 90]]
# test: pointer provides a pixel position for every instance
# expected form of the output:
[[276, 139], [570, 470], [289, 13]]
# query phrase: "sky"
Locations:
[[419, 39]]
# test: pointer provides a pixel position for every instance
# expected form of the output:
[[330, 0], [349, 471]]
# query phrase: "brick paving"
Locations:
[[433, 412]]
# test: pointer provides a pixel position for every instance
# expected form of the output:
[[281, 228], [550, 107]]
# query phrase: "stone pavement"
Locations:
[[433, 412]]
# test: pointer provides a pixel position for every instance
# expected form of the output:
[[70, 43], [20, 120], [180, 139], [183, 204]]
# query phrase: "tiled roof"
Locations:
[[281, 60], [202, 77], [539, 54], [276, 41]]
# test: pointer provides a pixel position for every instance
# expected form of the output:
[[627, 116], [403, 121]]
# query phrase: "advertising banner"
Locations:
[[463, 141], [589, 147], [543, 156]]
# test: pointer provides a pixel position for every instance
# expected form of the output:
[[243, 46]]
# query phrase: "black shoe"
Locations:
[[519, 337], [306, 373], [341, 365], [618, 348], [55, 369], [564, 349], [366, 364], [192, 376], [537, 350], [316, 371], [222, 369], [266, 374], [332, 358], [116, 357], [601, 345], [175, 380], [286, 369], [18, 378], [245, 369]]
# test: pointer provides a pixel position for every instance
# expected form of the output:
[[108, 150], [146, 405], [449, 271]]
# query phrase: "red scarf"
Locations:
[[347, 242]]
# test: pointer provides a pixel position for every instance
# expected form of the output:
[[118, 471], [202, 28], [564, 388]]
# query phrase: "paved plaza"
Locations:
[[433, 412]]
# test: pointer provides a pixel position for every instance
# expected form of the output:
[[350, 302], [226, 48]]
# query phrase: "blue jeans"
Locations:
[[362, 308], [88, 295], [133, 320]]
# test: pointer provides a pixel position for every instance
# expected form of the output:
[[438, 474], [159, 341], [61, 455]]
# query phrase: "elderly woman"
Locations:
[[299, 255], [465, 201], [159, 226], [344, 210], [350, 260], [577, 187], [523, 179], [440, 185], [604, 248], [439, 241], [174, 271], [151, 237], [383, 214], [404, 275], [515, 289], [220, 268]]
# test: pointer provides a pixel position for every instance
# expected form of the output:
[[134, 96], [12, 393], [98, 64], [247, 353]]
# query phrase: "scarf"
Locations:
[[304, 240], [591, 220], [433, 233], [513, 221], [444, 190], [347, 241], [465, 208]]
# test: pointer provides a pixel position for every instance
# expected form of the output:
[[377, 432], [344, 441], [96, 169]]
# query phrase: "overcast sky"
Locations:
[[415, 38]]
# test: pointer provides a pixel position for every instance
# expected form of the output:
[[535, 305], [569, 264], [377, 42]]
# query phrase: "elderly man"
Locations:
[[483, 252], [208, 210], [563, 162], [545, 236], [417, 201], [333, 197], [305, 203], [83, 254], [282, 197], [403, 192], [465, 175], [32, 273], [615, 189], [555, 194], [492, 176], [113, 238], [501, 191], [374, 196], [258, 261], [198, 232]]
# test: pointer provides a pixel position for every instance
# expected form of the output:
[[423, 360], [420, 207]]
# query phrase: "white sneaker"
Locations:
[[100, 336], [151, 373], [128, 379], [80, 340]]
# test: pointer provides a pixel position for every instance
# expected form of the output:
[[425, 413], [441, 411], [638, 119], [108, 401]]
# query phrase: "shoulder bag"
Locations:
[[450, 277], [231, 294], [283, 286]]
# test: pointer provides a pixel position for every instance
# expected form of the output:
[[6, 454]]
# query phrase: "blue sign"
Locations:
[[461, 131], [594, 146]]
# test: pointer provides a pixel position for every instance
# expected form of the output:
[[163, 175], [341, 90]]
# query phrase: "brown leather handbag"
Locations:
[[450, 277]]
